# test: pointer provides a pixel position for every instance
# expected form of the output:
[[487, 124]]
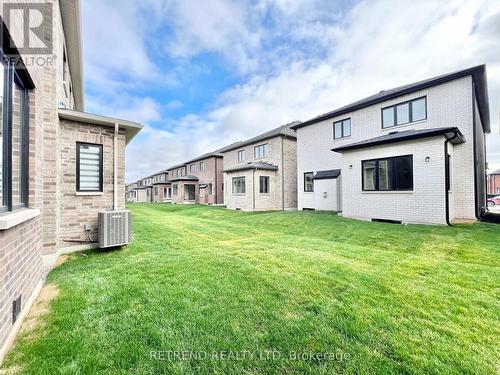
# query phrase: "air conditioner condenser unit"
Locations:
[[115, 228]]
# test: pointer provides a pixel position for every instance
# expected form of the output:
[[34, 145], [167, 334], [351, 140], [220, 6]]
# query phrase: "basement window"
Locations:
[[88, 167]]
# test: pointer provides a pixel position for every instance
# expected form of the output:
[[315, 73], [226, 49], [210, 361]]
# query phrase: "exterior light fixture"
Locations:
[[427, 159]]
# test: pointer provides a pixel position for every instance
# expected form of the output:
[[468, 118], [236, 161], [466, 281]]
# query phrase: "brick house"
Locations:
[[161, 187], [59, 165], [260, 174], [493, 183], [199, 180], [413, 154]]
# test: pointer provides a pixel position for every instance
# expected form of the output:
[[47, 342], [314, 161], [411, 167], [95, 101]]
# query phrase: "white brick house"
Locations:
[[413, 154], [260, 174]]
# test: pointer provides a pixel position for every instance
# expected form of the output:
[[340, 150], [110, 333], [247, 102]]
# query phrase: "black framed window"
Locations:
[[264, 184], [14, 139], [388, 174], [88, 167], [175, 189], [202, 165], [239, 185], [308, 182], [342, 129], [192, 168], [404, 113]]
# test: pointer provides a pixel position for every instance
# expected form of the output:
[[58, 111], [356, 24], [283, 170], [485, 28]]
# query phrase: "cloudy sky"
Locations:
[[202, 74]]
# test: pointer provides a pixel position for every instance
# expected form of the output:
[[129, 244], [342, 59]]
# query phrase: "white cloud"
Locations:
[[297, 59]]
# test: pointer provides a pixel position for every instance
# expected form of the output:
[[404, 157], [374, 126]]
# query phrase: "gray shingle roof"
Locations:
[[328, 174], [185, 178], [284, 130], [405, 136], [478, 74], [497, 172], [253, 165]]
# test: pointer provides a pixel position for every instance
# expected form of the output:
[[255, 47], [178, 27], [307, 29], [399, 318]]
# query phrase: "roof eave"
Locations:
[[70, 14], [478, 73], [131, 128], [455, 136]]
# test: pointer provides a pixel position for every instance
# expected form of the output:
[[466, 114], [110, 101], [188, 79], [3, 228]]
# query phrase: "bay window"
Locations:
[[238, 185]]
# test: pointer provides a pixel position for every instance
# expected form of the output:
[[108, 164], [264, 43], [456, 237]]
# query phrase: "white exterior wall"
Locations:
[[326, 194], [424, 205], [448, 105]]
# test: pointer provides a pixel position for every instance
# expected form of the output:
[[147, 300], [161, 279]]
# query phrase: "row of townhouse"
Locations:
[[493, 183], [59, 166], [412, 154]]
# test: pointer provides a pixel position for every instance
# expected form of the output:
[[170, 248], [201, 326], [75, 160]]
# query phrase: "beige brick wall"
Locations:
[[78, 210]]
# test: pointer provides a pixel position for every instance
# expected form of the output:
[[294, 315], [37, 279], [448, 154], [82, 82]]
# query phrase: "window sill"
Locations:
[[342, 138], [389, 192], [89, 193], [11, 219], [403, 125]]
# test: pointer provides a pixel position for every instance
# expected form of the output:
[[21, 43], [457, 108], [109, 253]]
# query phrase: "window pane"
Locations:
[[338, 130], [403, 113], [18, 106], [347, 127], [308, 182], [385, 175], [388, 117], [90, 168], [239, 185], [369, 175], [418, 109], [264, 184], [264, 150], [2, 203], [404, 173]]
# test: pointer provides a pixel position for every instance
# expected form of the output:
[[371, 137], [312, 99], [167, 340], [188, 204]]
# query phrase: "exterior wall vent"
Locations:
[[115, 228], [16, 309]]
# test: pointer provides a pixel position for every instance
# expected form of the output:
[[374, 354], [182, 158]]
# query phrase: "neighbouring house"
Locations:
[[144, 191], [199, 180], [493, 183], [413, 154], [161, 187], [130, 192], [59, 166], [260, 174]]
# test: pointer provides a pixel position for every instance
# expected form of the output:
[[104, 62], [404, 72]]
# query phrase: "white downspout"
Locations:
[[115, 168]]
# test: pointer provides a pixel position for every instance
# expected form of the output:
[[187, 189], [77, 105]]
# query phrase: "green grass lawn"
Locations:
[[242, 292]]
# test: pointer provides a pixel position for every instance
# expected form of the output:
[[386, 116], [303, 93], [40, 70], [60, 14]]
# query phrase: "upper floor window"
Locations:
[[88, 167], [183, 171], [202, 165], [14, 140], [192, 168], [389, 174], [404, 113], [308, 182], [342, 129], [241, 156], [260, 151]]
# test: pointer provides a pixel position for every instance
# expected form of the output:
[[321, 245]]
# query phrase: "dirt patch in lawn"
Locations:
[[62, 259], [40, 308]]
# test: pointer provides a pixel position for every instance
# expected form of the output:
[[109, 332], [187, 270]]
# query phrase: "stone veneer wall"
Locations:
[[78, 209]]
